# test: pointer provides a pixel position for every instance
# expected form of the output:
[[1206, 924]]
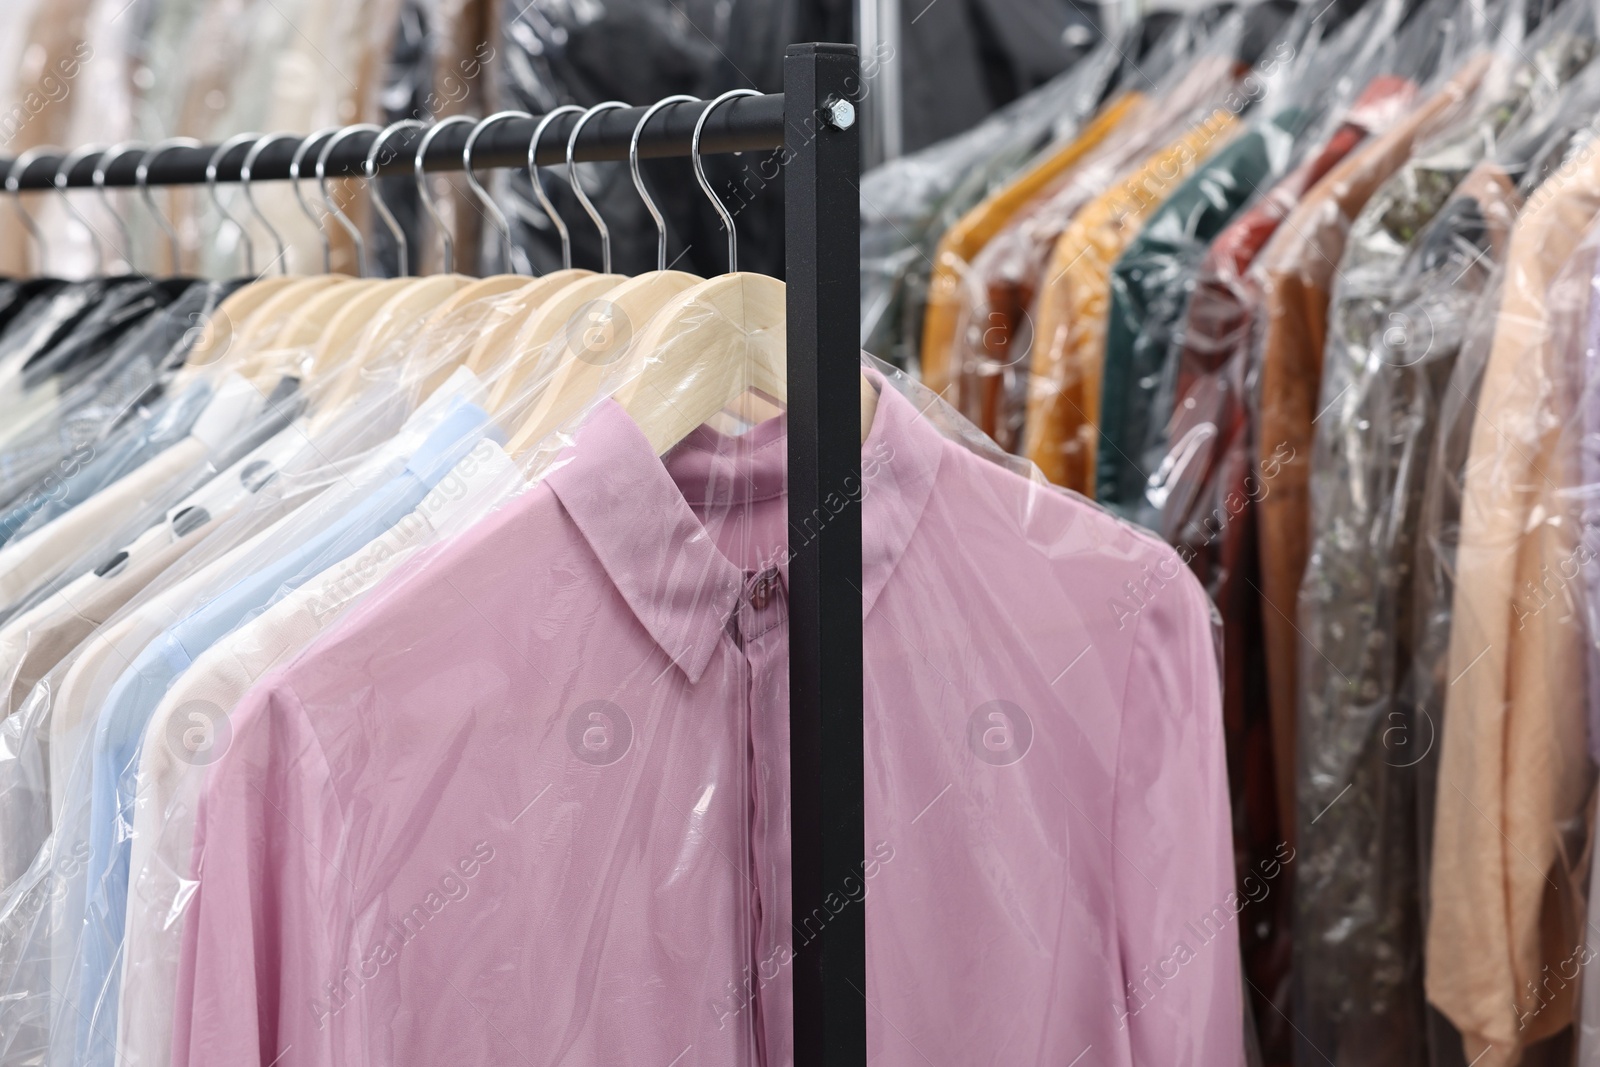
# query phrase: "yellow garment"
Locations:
[[1069, 334], [967, 237]]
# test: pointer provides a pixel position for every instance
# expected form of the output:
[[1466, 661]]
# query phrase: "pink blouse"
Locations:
[[528, 803]]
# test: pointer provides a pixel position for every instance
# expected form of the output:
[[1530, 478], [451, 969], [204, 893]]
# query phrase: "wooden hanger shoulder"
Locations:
[[407, 304], [305, 325], [224, 324], [583, 371], [263, 324], [497, 340], [703, 350], [477, 289], [527, 358], [342, 330]]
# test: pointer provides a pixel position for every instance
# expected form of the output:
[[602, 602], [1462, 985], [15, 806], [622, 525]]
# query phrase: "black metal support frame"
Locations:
[[822, 220]]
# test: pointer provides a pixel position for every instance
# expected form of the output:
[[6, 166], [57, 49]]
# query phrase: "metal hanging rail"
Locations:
[[813, 123], [746, 124]]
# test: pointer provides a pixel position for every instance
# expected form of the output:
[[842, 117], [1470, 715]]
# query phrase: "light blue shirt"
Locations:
[[134, 698]]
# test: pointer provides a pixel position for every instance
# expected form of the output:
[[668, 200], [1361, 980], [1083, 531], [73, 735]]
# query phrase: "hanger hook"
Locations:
[[249, 197], [498, 217], [18, 167], [322, 184], [63, 173], [294, 183], [638, 178], [538, 186], [705, 186], [389, 220], [421, 177], [216, 198], [577, 188], [141, 178], [109, 156]]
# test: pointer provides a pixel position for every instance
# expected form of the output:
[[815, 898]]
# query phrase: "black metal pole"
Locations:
[[742, 125], [822, 235]]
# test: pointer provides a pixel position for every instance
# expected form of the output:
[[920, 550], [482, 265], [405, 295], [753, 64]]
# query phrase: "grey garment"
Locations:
[[1374, 602], [106, 413], [1356, 894]]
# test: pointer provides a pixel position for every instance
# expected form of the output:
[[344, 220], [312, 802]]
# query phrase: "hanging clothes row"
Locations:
[[1313, 301], [398, 669]]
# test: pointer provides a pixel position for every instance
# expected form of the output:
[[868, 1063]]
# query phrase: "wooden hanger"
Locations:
[[407, 305], [500, 341], [712, 342], [526, 360], [237, 328], [587, 361], [702, 351], [584, 367], [496, 341]]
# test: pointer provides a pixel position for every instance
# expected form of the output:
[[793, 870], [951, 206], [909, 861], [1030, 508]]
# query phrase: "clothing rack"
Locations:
[[813, 124]]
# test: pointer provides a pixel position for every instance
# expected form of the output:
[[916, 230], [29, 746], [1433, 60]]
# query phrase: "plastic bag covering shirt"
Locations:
[[1209, 515], [82, 533], [1357, 889], [1074, 301], [1040, 849], [1148, 295], [149, 432], [909, 203], [1397, 317], [1296, 270], [187, 733], [96, 407], [41, 916], [961, 243], [1514, 777], [135, 697], [245, 493], [1589, 460], [995, 330]]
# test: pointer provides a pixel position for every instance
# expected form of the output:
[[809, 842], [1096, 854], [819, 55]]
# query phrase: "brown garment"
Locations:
[[990, 334], [961, 243], [1075, 300], [1297, 271]]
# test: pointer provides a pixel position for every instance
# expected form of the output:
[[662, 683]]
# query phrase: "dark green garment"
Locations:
[[1150, 287]]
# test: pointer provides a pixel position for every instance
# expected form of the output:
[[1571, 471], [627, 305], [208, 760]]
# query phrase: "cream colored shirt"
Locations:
[[189, 732], [123, 509]]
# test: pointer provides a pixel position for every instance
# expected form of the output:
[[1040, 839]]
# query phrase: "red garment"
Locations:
[[1209, 515]]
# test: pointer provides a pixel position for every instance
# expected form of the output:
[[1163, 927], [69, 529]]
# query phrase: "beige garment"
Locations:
[[36, 640], [125, 508], [1514, 775], [32, 561], [188, 732]]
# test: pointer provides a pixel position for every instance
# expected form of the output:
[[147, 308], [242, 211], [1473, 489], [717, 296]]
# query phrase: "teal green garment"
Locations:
[[1150, 287]]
